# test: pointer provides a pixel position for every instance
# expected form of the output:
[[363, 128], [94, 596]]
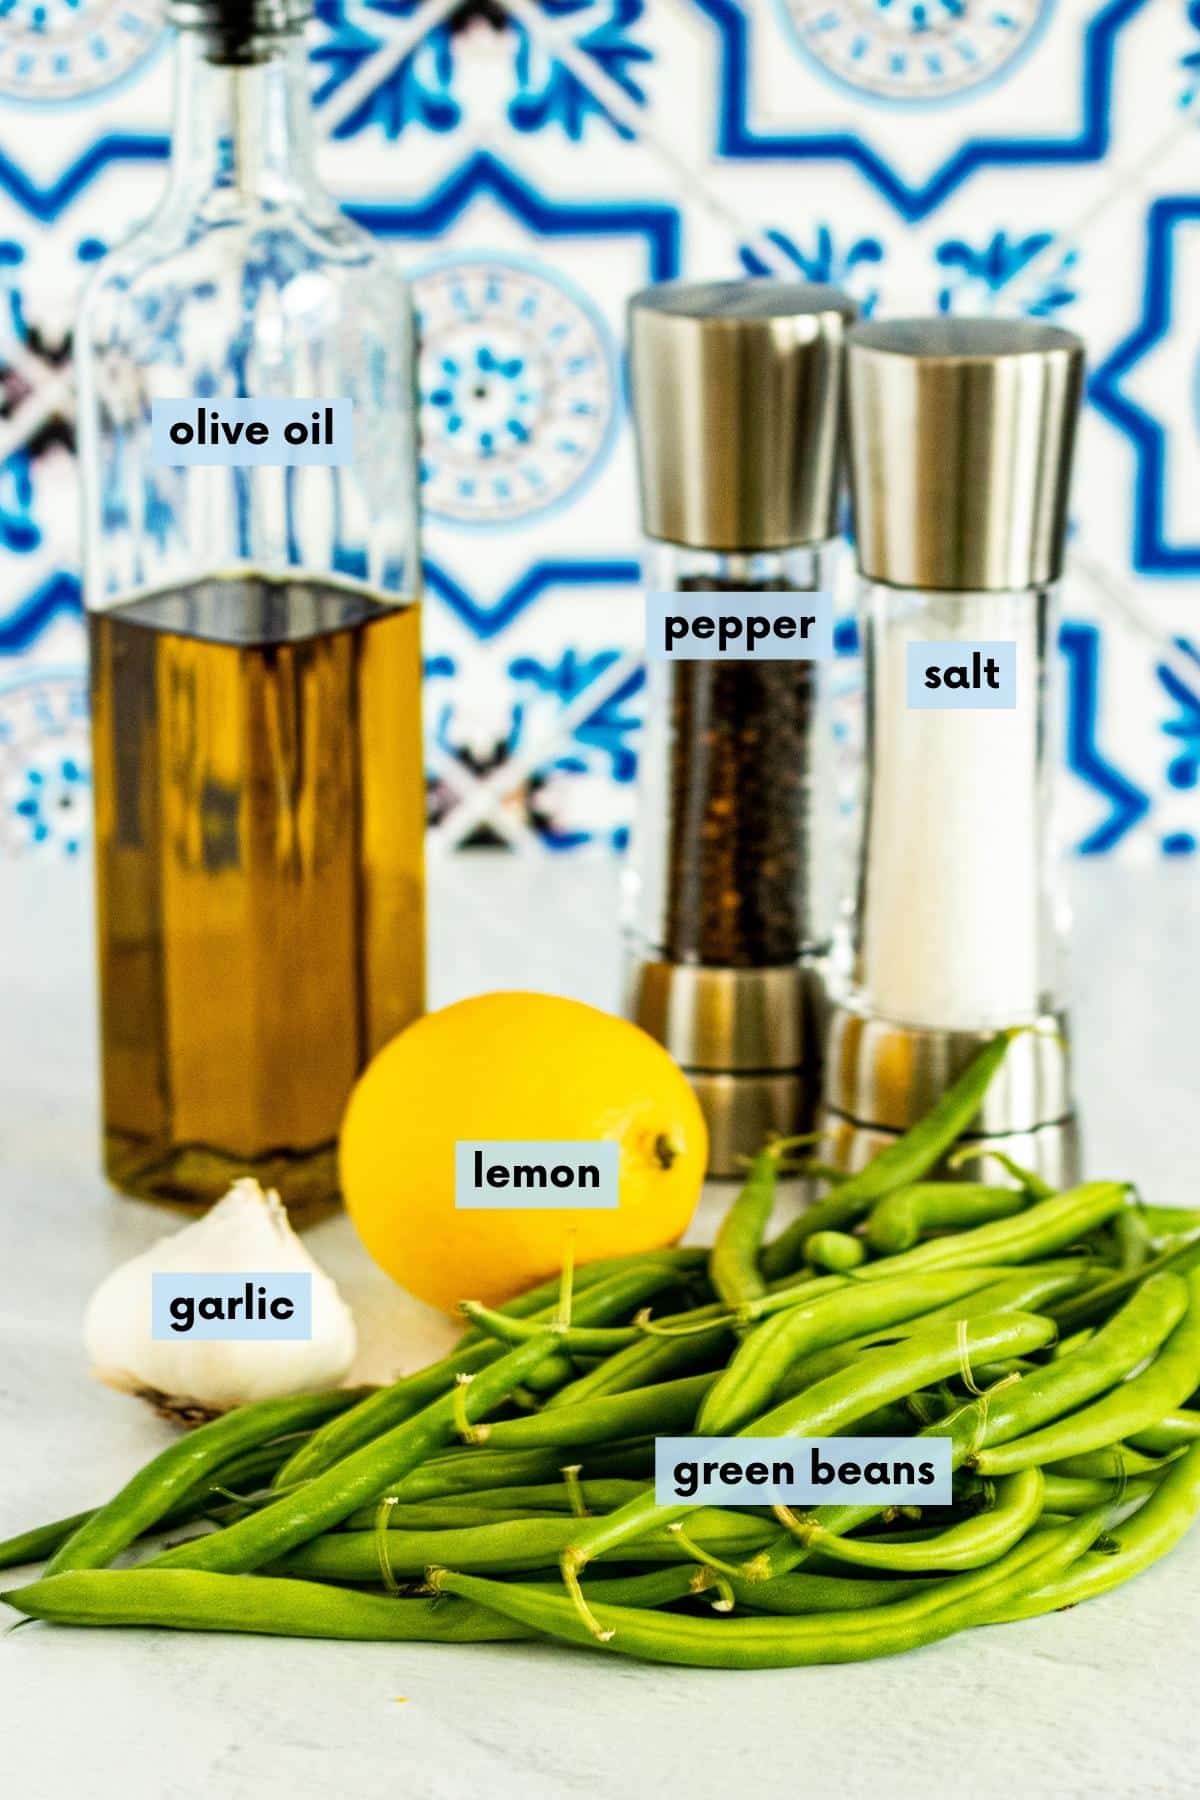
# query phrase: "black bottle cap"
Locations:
[[239, 31]]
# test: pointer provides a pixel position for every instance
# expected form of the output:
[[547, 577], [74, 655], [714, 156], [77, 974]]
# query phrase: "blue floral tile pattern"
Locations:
[[518, 387], [531, 163], [915, 50], [45, 802], [70, 49]]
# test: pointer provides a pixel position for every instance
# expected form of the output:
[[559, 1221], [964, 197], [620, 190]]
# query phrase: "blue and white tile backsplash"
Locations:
[[546, 157]]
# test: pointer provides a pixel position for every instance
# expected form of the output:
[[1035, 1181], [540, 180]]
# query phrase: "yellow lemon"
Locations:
[[514, 1066]]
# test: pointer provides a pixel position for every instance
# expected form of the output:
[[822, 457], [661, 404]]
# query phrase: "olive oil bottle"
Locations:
[[255, 648]]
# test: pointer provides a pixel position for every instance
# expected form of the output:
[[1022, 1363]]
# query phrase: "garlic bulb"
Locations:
[[245, 1233]]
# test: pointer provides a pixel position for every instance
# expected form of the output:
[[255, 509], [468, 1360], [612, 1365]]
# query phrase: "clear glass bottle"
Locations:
[[736, 391], [255, 647], [961, 433]]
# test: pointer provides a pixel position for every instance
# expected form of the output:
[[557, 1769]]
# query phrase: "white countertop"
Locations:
[[1103, 1700]]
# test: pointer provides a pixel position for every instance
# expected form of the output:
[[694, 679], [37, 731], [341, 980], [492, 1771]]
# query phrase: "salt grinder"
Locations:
[[960, 441], [736, 398]]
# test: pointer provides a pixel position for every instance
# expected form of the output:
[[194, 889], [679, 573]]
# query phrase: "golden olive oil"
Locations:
[[259, 852]]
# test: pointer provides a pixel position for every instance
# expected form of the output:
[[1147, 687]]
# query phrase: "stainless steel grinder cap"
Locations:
[[736, 399], [960, 440]]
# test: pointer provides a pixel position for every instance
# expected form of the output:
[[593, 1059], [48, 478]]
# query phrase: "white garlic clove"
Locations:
[[246, 1232]]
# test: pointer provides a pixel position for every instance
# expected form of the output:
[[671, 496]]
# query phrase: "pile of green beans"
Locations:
[[1052, 1338]]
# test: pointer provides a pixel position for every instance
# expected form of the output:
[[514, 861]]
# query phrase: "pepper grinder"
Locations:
[[960, 441], [729, 904]]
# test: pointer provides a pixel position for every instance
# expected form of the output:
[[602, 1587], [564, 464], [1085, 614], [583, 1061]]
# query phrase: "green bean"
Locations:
[[41, 1541], [439, 1515], [192, 1600], [168, 1477], [1068, 1346], [553, 1372], [656, 1587], [581, 1340], [1172, 1432], [903, 1162], [685, 1261], [613, 1295], [751, 1380], [1114, 1463], [1131, 1240], [668, 1347], [466, 1471], [1128, 1338], [836, 1251], [248, 1469], [1072, 1493], [966, 1545], [794, 1594], [1044, 1227], [900, 1220], [550, 1497], [1131, 1407], [775, 1642], [834, 1404], [1169, 1221], [389, 1406], [364, 1475], [1084, 1309], [510, 1545], [963, 1427], [1154, 1529], [1024, 1291], [733, 1266], [685, 1341], [665, 1408]]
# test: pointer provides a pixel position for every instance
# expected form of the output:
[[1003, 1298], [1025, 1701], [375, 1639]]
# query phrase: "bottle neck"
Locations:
[[242, 131]]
